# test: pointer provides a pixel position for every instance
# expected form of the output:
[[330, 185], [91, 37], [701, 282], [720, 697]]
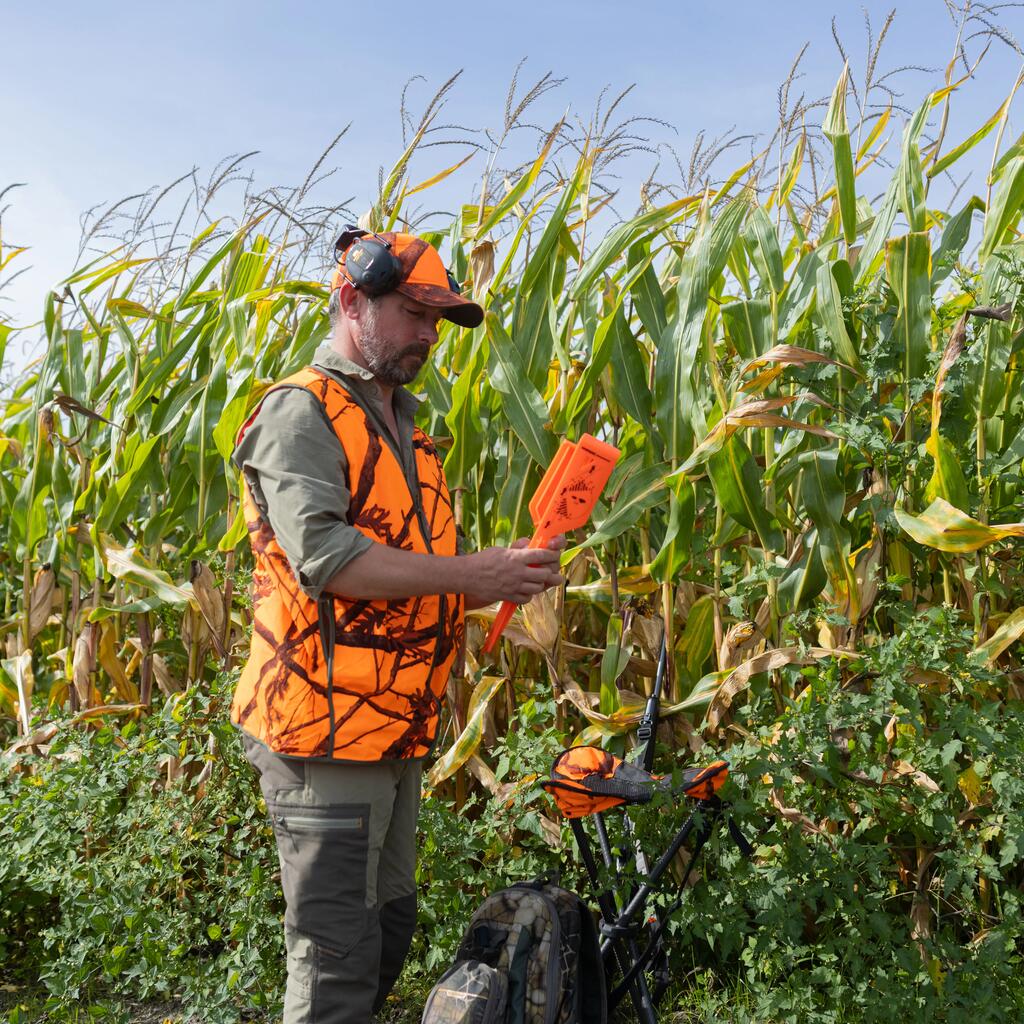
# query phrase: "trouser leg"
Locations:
[[396, 881], [331, 822]]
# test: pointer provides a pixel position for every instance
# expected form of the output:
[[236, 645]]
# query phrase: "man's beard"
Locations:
[[388, 366]]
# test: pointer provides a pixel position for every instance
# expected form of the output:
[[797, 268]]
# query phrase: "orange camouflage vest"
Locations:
[[392, 658]]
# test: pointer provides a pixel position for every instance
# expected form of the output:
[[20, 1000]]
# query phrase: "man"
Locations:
[[358, 598]]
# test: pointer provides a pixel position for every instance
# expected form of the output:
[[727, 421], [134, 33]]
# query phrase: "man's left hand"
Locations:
[[558, 543]]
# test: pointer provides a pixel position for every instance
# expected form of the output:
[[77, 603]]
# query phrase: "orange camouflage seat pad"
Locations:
[[392, 658], [585, 780]]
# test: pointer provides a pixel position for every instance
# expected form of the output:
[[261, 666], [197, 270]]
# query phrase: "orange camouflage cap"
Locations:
[[423, 277]]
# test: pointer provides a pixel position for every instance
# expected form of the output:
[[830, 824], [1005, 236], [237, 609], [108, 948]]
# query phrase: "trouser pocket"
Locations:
[[323, 852]]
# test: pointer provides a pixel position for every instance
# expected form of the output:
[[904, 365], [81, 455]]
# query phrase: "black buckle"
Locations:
[[618, 931]]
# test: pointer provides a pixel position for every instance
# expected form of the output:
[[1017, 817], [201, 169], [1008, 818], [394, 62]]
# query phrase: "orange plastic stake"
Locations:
[[563, 501]]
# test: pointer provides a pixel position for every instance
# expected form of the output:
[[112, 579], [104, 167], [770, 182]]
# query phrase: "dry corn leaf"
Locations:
[[481, 262], [171, 766], [925, 781], [40, 736], [194, 630], [866, 561], [540, 617], [757, 413], [739, 677], [19, 668], [796, 817], [890, 732], [649, 632], [920, 909], [929, 677], [83, 663], [165, 680], [483, 774], [787, 355], [45, 733], [210, 601], [44, 587], [107, 657], [757, 384], [740, 635]]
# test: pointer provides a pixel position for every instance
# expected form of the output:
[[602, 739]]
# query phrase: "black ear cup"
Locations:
[[370, 264], [372, 267]]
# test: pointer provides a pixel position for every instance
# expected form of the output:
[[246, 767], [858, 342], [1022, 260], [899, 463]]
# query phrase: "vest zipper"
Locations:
[[328, 641]]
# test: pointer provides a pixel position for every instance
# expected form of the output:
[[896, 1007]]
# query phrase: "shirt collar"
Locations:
[[326, 357], [329, 359]]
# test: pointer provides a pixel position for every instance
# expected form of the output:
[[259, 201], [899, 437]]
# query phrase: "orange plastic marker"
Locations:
[[563, 501]]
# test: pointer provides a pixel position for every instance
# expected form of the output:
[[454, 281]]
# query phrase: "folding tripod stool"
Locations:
[[587, 781]]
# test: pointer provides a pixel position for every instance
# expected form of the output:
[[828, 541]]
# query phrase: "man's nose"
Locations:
[[428, 334]]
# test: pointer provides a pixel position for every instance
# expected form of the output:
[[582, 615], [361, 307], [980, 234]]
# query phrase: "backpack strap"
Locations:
[[518, 994]]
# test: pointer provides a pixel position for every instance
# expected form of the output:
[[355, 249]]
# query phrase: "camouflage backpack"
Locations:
[[529, 956]]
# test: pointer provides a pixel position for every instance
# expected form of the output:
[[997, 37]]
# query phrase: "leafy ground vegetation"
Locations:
[[817, 393]]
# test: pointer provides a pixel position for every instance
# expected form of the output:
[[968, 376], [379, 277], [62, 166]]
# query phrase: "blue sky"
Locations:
[[110, 98]]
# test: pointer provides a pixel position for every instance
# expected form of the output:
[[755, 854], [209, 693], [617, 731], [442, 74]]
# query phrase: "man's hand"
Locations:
[[515, 573], [384, 573]]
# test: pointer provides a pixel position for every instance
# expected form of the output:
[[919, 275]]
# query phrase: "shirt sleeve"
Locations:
[[296, 471]]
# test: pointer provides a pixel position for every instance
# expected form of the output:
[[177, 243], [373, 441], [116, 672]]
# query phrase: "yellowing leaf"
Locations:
[[465, 746], [440, 176], [19, 668], [1009, 632], [130, 566], [106, 655], [948, 480], [970, 785], [945, 528]]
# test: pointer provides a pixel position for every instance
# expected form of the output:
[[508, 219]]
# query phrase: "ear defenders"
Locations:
[[370, 264]]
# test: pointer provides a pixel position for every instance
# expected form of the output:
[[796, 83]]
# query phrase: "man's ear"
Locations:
[[351, 302]]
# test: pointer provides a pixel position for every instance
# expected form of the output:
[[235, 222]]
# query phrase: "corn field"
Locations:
[[817, 394]]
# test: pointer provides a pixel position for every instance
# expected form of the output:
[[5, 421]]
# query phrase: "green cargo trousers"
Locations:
[[346, 840]]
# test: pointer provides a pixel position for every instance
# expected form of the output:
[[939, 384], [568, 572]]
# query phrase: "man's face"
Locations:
[[396, 335]]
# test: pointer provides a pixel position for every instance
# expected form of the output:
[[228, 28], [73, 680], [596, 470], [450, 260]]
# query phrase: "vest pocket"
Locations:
[[323, 852]]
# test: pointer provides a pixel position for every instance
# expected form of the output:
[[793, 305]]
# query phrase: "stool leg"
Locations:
[[639, 992], [659, 961]]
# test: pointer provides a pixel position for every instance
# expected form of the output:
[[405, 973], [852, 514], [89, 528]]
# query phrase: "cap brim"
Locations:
[[463, 312]]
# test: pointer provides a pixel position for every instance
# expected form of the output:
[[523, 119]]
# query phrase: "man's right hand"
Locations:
[[514, 573]]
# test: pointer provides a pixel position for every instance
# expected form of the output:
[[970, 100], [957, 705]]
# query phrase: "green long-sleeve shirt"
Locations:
[[295, 468]]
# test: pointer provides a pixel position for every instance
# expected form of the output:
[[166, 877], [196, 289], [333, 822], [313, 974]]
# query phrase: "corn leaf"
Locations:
[[837, 132], [469, 739], [908, 268], [945, 528]]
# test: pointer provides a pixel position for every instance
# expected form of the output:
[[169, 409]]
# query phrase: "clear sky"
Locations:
[[109, 98]]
